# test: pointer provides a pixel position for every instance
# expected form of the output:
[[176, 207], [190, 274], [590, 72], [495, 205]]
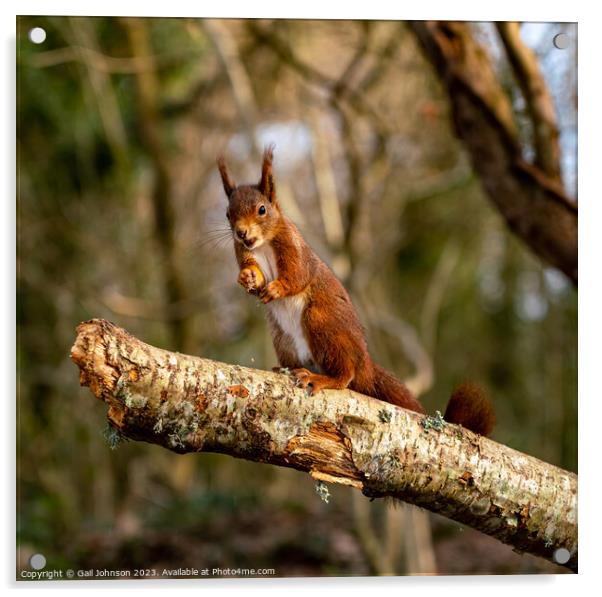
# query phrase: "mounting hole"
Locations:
[[37, 35], [37, 561], [562, 555], [561, 41]]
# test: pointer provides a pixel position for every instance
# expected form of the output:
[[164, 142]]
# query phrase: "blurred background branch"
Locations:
[[531, 200], [537, 97]]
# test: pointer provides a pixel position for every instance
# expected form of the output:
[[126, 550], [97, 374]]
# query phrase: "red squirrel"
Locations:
[[315, 329]]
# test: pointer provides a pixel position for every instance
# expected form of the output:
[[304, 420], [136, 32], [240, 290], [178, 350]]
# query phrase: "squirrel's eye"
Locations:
[[261, 210]]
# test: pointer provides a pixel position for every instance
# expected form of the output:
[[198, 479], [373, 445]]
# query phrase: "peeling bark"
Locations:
[[532, 202], [190, 404]]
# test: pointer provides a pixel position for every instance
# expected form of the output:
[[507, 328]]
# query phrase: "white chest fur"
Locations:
[[266, 260], [286, 311]]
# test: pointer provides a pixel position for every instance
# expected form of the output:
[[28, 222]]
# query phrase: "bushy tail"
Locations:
[[470, 407], [388, 388]]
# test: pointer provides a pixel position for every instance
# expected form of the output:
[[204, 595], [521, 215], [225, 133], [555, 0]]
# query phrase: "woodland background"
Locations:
[[121, 215]]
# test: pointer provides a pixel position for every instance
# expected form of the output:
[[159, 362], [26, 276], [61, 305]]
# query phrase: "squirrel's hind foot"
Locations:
[[304, 378]]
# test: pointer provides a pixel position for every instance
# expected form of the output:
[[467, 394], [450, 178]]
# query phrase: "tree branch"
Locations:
[[537, 97], [336, 89], [190, 404], [533, 204]]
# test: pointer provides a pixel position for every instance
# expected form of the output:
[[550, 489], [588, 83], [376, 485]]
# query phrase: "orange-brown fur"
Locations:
[[331, 329], [469, 407]]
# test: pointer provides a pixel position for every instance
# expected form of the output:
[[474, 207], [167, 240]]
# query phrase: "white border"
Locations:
[[375, 9]]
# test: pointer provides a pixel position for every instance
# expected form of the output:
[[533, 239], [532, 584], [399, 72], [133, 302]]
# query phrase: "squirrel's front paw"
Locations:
[[274, 290], [251, 279]]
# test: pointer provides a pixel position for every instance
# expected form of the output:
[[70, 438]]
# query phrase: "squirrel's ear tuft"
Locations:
[[229, 184], [266, 184]]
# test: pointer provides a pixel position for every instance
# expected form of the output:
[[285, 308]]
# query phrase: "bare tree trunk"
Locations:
[[147, 87], [532, 202], [190, 404], [379, 556], [420, 553]]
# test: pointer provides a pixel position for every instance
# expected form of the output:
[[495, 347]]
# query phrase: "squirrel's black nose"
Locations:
[[241, 233]]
